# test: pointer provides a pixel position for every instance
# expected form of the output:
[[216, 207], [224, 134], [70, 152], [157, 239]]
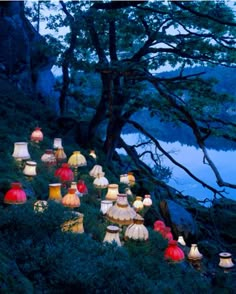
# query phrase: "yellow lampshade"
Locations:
[[77, 159], [194, 253], [131, 179], [138, 203], [21, 151], [30, 169], [225, 260], [55, 192], [112, 235], [137, 230], [75, 224], [112, 192], [71, 200], [60, 154]]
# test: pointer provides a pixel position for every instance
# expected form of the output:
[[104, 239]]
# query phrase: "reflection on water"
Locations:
[[192, 158]]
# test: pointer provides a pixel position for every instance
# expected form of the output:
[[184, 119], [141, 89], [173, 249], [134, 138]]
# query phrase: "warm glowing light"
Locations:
[[93, 154], [57, 143], [21, 151], [147, 201], [75, 224], [64, 173], [131, 179], [138, 203], [77, 159], [173, 252], [225, 260], [181, 240], [30, 169], [55, 192], [194, 253], [37, 135], [16, 195], [137, 230], [71, 200], [124, 179], [105, 205], [48, 157], [112, 192], [112, 235], [101, 182], [60, 154], [95, 171]]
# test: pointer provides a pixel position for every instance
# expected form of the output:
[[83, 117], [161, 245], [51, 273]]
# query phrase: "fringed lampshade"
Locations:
[[60, 155], [21, 151], [194, 253], [37, 135], [121, 213], [64, 173], [225, 260], [55, 192], [112, 235], [112, 192], [105, 205], [15, 195], [137, 230], [101, 182], [75, 224], [147, 201], [49, 158], [30, 169], [95, 171], [173, 252], [77, 159], [71, 200]]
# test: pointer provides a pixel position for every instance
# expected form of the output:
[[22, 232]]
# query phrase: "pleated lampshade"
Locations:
[[137, 230]]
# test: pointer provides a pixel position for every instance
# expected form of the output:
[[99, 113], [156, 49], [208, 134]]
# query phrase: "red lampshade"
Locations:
[[173, 252], [37, 135], [64, 173], [166, 233], [159, 225], [16, 195], [82, 188]]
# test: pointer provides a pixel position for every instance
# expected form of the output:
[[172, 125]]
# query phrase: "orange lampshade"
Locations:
[[71, 200], [60, 154], [131, 179], [16, 195], [55, 192], [36, 135]]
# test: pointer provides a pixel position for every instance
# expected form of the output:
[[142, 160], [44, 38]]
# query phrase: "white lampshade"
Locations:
[[93, 154], [137, 230], [112, 192], [30, 168], [40, 205], [225, 260], [147, 201], [95, 171], [181, 240], [77, 159], [194, 253], [21, 151], [101, 182], [124, 179], [128, 192], [112, 234], [57, 143], [105, 205]]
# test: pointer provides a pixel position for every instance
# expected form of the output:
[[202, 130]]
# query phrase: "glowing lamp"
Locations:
[[112, 192], [131, 179], [181, 241], [101, 182], [82, 188], [159, 225], [37, 135], [121, 212], [93, 154], [64, 173], [48, 157], [40, 206], [147, 201], [21, 151], [166, 233], [77, 159], [60, 155], [75, 224], [194, 253], [71, 200], [173, 252], [57, 143], [137, 230], [55, 192], [16, 195], [112, 235], [73, 185], [95, 171], [128, 192], [124, 179], [225, 260], [30, 169], [138, 203], [105, 205]]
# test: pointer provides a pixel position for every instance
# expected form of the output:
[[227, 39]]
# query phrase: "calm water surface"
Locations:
[[192, 158]]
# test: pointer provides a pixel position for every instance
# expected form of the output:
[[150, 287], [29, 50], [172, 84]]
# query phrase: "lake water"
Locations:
[[192, 158]]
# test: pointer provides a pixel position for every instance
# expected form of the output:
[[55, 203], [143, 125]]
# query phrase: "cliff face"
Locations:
[[24, 54]]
